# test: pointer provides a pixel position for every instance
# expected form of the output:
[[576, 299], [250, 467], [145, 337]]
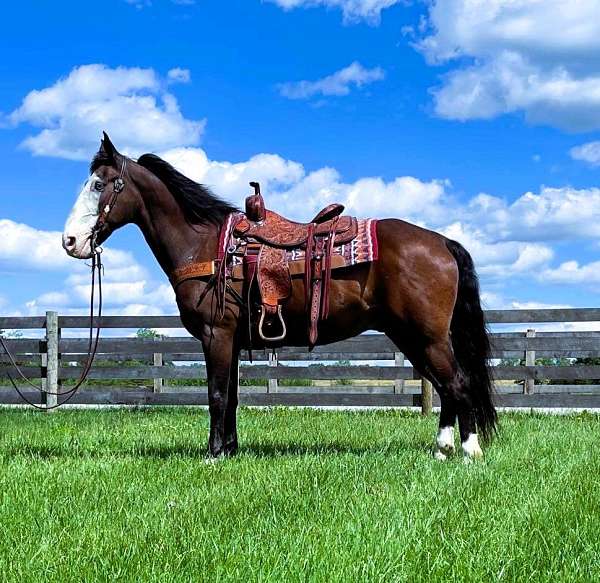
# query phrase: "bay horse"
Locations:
[[422, 292]]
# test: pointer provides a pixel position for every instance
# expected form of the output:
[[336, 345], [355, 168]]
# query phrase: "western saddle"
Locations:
[[268, 238]]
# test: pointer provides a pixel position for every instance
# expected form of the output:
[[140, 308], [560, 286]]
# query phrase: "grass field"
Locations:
[[313, 496]]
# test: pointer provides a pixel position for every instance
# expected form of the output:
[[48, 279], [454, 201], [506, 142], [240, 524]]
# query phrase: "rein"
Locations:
[[93, 338]]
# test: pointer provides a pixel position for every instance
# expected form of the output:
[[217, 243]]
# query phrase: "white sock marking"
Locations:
[[445, 437], [471, 447], [444, 443]]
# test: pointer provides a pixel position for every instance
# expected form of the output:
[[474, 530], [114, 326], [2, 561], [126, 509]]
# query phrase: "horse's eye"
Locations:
[[99, 185]]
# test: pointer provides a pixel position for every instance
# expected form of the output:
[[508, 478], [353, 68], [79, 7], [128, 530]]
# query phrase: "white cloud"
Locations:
[[499, 259], [572, 273], [25, 248], [530, 56], [133, 297], [338, 83], [546, 29], [298, 193], [130, 103], [352, 10], [553, 214], [230, 180], [589, 153], [179, 75]]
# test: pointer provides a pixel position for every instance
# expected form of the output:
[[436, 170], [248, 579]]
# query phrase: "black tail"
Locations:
[[470, 341]]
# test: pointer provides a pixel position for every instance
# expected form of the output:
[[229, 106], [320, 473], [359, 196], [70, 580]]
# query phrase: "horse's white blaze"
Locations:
[[471, 447], [444, 443], [81, 220]]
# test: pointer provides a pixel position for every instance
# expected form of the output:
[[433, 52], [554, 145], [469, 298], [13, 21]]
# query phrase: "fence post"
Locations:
[[529, 384], [426, 397], [52, 357], [158, 361], [272, 383], [398, 383]]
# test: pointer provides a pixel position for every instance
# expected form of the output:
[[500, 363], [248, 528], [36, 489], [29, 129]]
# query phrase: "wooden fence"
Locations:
[[363, 371]]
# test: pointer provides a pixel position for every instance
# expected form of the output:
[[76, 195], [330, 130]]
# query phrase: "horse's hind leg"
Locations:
[[436, 362], [452, 386]]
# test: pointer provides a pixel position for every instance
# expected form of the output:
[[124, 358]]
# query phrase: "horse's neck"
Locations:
[[172, 239]]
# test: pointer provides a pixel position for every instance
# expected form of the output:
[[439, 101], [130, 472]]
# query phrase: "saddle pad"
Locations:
[[360, 249], [363, 248]]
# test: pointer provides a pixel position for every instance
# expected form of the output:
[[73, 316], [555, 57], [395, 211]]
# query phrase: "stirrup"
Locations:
[[262, 321]]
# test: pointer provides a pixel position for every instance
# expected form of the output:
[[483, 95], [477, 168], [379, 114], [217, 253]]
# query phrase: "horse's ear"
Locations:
[[107, 146]]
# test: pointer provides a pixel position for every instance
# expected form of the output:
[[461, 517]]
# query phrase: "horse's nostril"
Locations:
[[70, 242]]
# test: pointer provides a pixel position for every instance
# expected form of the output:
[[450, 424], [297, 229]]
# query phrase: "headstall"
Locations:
[[118, 186]]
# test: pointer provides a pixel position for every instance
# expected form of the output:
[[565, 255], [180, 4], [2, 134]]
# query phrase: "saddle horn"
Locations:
[[255, 205], [256, 186]]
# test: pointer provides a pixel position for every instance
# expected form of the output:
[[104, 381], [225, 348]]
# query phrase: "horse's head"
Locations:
[[107, 201]]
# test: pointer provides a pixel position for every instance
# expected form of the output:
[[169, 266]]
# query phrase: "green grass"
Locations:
[[313, 496]]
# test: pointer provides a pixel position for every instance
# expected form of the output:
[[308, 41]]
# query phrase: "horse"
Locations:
[[422, 291]]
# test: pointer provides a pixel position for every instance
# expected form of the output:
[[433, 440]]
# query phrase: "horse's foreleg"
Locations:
[[219, 354], [231, 440]]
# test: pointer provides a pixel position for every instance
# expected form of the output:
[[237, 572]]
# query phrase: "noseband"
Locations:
[[118, 186]]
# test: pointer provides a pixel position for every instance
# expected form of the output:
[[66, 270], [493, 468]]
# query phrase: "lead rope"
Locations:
[[91, 351]]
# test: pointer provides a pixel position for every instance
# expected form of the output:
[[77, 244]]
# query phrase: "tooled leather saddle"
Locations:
[[269, 237]]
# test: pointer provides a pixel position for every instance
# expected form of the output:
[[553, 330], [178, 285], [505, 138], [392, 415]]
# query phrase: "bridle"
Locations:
[[93, 338], [118, 186]]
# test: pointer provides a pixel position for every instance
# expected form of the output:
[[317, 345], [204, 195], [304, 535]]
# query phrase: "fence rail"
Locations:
[[366, 370]]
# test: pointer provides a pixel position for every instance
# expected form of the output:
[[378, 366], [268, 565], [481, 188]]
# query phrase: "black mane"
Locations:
[[198, 202]]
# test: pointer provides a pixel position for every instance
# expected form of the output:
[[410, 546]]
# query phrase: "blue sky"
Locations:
[[474, 119]]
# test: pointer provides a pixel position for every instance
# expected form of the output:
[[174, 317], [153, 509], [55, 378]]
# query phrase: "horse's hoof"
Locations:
[[439, 455], [443, 451], [231, 449], [471, 449], [211, 460]]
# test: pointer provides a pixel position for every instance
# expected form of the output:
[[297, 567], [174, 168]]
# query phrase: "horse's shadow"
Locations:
[[199, 451]]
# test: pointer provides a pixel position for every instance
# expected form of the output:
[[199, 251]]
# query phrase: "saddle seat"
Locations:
[[277, 231], [274, 229]]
